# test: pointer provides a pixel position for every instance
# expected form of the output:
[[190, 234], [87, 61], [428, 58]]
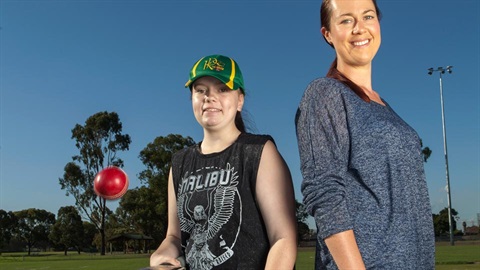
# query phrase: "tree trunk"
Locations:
[[102, 228]]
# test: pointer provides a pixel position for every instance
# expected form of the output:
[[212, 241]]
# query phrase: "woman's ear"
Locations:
[[326, 35], [241, 100]]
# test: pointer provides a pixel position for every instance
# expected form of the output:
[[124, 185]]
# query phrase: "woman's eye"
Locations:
[[369, 17], [224, 89], [199, 90], [346, 21]]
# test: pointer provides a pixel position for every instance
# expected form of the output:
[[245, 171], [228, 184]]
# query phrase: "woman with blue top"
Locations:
[[230, 197], [362, 166]]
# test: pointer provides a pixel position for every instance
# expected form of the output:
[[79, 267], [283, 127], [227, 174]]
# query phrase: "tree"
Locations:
[[34, 226], [426, 152], [89, 231], [8, 224], [145, 208], [68, 229], [136, 211], [303, 231], [441, 224], [301, 212], [98, 140]]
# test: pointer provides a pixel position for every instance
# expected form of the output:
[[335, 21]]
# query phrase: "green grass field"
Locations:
[[461, 256]]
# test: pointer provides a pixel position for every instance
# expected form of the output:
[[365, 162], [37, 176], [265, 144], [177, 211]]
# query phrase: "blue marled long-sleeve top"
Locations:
[[363, 169]]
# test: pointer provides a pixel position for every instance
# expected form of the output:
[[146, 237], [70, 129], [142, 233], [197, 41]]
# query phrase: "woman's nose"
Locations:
[[358, 28], [209, 97]]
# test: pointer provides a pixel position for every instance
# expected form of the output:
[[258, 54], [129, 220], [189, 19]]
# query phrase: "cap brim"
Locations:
[[220, 78]]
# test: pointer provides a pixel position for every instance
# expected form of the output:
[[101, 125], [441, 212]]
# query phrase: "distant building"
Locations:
[[472, 230]]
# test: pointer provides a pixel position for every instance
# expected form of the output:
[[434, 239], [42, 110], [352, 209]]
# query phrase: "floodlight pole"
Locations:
[[441, 71]]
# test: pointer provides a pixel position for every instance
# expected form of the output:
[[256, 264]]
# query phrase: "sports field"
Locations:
[[464, 255]]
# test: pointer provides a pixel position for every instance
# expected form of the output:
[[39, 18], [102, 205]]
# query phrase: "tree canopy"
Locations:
[[98, 142], [34, 226], [8, 225], [68, 229], [441, 224], [146, 207], [426, 152]]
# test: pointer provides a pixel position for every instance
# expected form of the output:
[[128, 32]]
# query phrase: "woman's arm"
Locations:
[[324, 144], [275, 197], [170, 249], [344, 250]]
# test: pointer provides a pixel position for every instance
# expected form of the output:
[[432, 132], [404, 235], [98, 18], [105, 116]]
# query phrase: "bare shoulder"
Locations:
[[270, 154], [272, 165]]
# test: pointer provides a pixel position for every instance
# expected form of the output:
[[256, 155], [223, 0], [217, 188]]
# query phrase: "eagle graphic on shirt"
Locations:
[[206, 202]]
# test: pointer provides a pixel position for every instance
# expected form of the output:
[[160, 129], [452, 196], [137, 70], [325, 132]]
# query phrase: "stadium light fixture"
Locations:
[[441, 71]]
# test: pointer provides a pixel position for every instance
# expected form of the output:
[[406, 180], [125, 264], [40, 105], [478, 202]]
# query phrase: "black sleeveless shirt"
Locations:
[[221, 224]]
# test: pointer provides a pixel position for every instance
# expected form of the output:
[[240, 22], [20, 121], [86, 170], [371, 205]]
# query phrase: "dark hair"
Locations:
[[325, 16], [239, 122]]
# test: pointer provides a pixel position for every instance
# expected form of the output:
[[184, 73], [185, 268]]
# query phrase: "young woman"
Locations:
[[231, 200], [364, 181]]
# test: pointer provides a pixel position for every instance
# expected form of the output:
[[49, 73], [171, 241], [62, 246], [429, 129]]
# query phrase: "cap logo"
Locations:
[[220, 67], [214, 64]]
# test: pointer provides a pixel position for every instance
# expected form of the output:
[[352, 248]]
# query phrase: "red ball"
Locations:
[[111, 183]]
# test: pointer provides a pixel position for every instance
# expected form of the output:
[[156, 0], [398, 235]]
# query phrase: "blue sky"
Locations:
[[63, 61]]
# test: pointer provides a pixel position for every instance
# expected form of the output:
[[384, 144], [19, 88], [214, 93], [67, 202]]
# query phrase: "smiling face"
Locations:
[[354, 32], [214, 104]]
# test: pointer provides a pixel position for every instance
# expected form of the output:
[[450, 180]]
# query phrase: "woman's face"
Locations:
[[354, 32], [214, 104]]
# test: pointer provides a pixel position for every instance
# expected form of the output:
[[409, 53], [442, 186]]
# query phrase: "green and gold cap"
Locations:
[[219, 66]]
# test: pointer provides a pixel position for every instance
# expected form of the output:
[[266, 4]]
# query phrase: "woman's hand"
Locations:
[[158, 259]]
